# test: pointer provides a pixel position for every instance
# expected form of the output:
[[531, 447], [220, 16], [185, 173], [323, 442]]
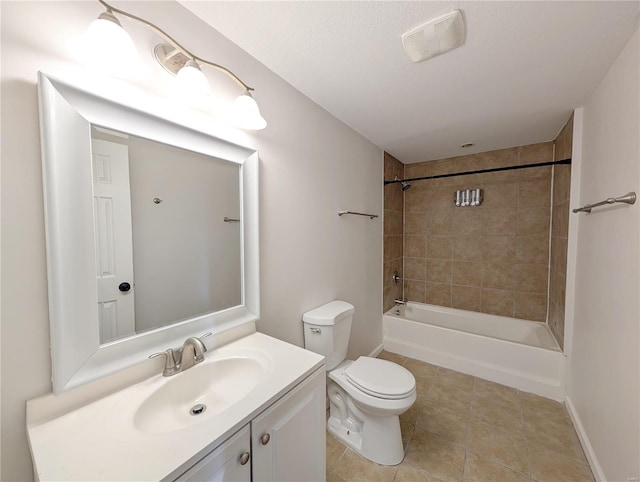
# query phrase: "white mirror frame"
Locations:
[[66, 116]]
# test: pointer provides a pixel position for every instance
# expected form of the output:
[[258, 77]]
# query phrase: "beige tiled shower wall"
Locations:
[[559, 231], [393, 242], [491, 258]]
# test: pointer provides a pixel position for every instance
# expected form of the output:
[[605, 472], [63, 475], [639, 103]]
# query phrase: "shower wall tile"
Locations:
[[416, 170], [414, 290], [561, 183], [438, 293], [498, 276], [492, 258], [467, 248], [560, 223], [530, 306], [415, 223], [559, 231], [564, 142], [466, 273], [556, 322], [414, 201], [415, 268], [438, 200], [391, 267], [559, 254], [499, 249], [467, 222], [535, 153], [393, 241], [536, 172], [440, 223], [393, 197], [444, 166], [534, 193], [393, 247], [531, 278], [439, 270], [498, 302], [532, 249], [392, 222], [390, 293], [466, 297], [500, 195], [533, 221], [439, 247], [415, 246], [499, 222], [494, 159]]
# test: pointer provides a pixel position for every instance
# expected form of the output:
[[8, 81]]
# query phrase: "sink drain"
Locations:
[[197, 409]]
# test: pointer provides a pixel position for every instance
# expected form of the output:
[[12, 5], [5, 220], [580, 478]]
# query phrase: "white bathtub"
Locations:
[[518, 353]]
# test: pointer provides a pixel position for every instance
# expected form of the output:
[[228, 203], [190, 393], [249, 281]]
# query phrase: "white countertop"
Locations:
[[99, 441]]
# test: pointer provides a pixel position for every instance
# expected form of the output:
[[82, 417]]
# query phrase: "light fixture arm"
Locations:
[[175, 44]]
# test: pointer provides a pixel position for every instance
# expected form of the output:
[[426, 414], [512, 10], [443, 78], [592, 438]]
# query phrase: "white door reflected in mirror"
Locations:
[[114, 244]]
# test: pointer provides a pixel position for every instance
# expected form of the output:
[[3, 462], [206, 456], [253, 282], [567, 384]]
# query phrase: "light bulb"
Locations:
[[191, 85], [246, 113], [109, 48]]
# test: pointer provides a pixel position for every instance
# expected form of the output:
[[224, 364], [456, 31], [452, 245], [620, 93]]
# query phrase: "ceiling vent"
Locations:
[[435, 37]]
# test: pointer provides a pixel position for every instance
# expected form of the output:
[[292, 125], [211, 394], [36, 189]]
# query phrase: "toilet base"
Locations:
[[379, 439]]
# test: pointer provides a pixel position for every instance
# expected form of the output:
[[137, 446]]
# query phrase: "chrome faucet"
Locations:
[[192, 353]]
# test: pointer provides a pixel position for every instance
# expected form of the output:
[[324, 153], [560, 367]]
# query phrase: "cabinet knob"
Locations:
[[244, 458], [265, 438]]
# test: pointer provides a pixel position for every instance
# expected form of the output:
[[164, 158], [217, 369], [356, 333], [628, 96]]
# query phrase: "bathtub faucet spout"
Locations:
[[401, 302]]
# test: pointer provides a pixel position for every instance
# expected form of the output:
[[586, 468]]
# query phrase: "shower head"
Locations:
[[405, 185]]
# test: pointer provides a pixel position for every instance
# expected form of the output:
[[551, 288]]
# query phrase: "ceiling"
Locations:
[[523, 68]]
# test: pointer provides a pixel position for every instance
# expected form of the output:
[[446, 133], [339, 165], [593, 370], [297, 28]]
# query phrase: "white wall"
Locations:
[[186, 259], [311, 165], [604, 366]]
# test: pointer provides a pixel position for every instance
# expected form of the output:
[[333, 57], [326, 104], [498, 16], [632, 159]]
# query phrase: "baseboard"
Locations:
[[584, 441], [376, 351]]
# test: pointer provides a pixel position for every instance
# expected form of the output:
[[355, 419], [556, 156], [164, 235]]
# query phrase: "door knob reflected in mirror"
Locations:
[[124, 287]]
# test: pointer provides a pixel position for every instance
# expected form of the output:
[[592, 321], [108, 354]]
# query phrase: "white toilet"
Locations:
[[366, 396]]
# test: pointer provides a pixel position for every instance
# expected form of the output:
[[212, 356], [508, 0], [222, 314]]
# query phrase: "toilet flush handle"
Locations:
[[315, 330]]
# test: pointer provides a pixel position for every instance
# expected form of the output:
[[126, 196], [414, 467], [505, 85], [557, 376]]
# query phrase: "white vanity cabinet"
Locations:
[[230, 462], [287, 441], [288, 438]]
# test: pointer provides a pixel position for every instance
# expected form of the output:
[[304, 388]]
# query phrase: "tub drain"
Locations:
[[197, 409]]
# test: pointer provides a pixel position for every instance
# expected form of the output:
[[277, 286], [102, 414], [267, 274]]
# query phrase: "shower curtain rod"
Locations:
[[495, 169]]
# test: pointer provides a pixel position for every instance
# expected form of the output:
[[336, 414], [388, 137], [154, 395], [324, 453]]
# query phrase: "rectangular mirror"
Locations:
[[152, 233], [167, 230]]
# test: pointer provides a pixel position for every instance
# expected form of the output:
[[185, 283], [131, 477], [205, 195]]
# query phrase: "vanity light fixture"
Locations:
[[108, 38], [108, 46]]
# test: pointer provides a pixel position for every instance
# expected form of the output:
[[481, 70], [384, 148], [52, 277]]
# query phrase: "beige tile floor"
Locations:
[[463, 428]]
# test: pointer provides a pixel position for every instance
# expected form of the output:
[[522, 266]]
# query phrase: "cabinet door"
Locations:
[[288, 439], [227, 463]]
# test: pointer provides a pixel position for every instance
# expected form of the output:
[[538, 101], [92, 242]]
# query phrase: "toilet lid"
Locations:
[[380, 378]]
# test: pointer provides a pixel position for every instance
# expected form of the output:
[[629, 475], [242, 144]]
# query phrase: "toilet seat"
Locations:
[[380, 378]]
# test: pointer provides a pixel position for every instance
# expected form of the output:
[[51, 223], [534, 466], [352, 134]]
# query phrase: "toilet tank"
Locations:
[[327, 329]]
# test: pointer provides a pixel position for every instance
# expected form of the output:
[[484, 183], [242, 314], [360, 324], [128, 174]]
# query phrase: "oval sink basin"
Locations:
[[198, 393]]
